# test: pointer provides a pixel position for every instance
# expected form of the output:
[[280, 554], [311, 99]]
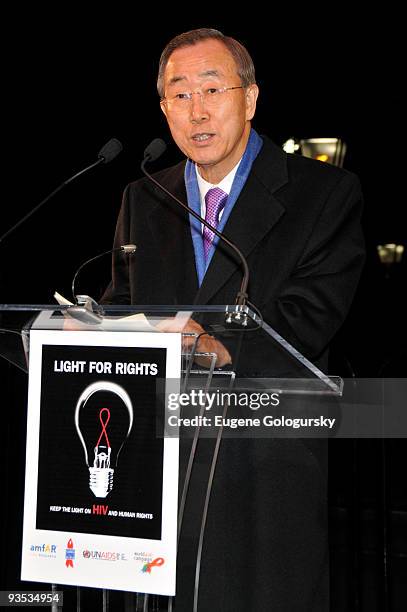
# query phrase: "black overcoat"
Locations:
[[297, 221]]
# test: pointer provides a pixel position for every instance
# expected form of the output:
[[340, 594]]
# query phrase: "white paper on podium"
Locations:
[[135, 322]]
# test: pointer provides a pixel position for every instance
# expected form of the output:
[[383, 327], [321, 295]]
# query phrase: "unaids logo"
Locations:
[[104, 555]]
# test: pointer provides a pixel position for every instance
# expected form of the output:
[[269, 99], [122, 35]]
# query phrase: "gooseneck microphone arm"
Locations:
[[45, 200], [152, 152], [106, 154], [126, 248]]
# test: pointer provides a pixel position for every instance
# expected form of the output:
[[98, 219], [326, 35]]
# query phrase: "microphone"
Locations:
[[154, 150], [110, 151], [106, 154], [128, 249]]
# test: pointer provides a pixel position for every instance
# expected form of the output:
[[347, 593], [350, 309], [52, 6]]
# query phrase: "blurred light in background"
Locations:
[[331, 150], [390, 253]]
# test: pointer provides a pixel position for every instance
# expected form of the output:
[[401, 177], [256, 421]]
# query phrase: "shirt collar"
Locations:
[[225, 184]]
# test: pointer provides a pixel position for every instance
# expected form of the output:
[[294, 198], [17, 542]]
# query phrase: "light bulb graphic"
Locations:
[[102, 471]]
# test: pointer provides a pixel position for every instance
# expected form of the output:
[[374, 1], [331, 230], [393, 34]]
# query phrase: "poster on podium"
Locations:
[[100, 506]]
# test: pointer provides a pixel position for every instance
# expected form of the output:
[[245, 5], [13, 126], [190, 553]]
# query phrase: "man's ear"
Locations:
[[163, 107], [251, 93]]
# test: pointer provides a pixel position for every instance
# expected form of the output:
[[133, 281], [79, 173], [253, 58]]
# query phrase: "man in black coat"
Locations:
[[297, 222]]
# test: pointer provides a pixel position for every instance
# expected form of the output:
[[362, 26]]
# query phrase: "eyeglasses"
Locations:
[[211, 97]]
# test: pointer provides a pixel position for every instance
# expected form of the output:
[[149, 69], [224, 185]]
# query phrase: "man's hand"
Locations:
[[206, 343]]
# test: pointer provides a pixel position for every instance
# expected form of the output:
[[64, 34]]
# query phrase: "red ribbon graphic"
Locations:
[[69, 562], [156, 563], [104, 425]]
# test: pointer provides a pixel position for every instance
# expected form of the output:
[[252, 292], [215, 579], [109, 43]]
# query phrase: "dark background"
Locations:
[[74, 80]]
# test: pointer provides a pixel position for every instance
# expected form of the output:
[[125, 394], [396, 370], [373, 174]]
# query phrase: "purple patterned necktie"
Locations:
[[215, 200]]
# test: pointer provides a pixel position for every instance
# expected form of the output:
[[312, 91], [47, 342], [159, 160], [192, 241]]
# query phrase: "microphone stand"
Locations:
[[106, 154], [86, 308], [45, 200]]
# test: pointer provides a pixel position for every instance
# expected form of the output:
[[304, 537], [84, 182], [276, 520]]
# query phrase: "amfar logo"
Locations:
[[44, 550]]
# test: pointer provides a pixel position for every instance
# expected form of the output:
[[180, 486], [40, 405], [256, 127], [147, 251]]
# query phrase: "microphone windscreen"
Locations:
[[155, 149], [110, 150]]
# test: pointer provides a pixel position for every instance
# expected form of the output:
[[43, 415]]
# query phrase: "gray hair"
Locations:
[[244, 63]]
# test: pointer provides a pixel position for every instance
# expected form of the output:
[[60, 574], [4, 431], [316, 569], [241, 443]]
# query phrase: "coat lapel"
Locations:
[[170, 227], [254, 214]]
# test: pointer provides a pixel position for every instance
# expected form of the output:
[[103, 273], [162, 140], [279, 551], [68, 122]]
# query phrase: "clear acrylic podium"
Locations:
[[257, 351]]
